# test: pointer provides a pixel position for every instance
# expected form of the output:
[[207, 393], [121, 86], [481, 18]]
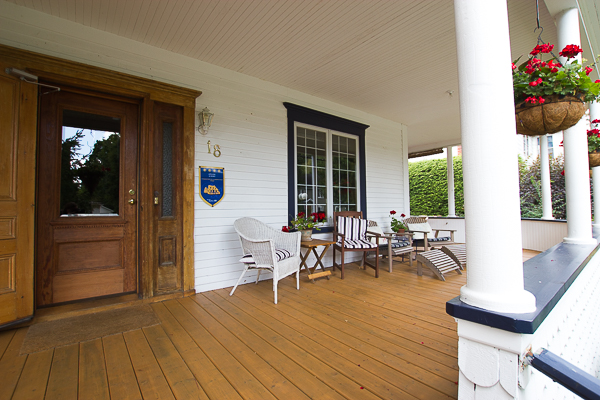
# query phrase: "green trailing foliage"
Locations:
[[429, 187]]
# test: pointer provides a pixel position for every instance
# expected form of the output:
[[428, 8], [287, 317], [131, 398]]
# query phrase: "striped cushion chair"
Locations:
[[350, 234]]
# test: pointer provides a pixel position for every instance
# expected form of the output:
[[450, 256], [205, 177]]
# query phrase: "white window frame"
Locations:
[[329, 166]]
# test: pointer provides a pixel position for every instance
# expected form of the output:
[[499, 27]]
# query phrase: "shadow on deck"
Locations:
[[360, 338]]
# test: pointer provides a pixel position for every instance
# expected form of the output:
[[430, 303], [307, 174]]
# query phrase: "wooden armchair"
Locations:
[[424, 236], [350, 235], [393, 244]]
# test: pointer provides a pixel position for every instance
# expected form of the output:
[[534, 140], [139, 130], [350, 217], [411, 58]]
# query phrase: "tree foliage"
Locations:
[[531, 188], [429, 187]]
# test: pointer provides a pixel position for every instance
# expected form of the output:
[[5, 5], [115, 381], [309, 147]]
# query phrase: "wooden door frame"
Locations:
[[146, 92]]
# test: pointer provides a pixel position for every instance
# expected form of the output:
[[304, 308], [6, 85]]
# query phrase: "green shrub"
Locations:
[[429, 187], [531, 188]]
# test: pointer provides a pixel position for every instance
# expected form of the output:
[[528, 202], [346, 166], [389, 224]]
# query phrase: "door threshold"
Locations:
[[91, 306]]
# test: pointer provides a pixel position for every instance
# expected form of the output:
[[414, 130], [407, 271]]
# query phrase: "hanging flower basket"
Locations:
[[557, 113], [594, 159], [550, 95]]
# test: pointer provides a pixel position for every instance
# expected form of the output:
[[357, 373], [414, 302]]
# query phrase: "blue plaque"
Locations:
[[212, 185]]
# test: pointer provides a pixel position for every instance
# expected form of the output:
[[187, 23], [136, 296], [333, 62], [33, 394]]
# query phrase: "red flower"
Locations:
[[392, 212], [402, 215], [593, 132], [536, 82], [597, 81], [596, 121], [301, 214], [514, 66], [561, 143], [541, 100], [562, 172], [542, 48], [532, 100], [588, 70], [285, 229], [321, 216], [570, 51]]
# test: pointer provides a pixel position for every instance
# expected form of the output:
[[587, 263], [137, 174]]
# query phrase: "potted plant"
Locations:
[[305, 225], [550, 96], [398, 224], [593, 137]]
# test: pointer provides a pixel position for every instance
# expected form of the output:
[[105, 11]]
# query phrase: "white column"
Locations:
[[595, 114], [577, 187], [450, 172], [492, 204], [545, 178]]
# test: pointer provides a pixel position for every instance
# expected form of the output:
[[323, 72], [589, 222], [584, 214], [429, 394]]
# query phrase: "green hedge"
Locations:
[[429, 194], [429, 187]]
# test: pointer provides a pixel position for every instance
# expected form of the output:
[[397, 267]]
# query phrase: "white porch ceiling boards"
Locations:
[[391, 58]]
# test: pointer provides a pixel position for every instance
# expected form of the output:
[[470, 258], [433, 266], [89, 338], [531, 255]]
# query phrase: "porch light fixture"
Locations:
[[205, 117]]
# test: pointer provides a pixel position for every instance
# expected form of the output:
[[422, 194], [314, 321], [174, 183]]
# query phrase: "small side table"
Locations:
[[312, 245]]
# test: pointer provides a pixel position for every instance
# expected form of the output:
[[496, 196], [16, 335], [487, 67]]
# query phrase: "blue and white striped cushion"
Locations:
[[281, 254], [396, 245], [359, 244], [352, 228], [439, 239]]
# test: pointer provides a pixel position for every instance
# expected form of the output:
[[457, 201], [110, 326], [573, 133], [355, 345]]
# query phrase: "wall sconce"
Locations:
[[205, 117]]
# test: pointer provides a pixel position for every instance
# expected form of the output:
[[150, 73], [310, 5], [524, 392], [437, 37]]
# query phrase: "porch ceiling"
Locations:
[[395, 59]]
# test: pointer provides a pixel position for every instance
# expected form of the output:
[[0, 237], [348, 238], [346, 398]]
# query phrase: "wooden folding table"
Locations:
[[312, 245]]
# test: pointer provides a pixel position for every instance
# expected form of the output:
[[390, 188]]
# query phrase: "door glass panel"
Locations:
[[167, 173], [90, 160]]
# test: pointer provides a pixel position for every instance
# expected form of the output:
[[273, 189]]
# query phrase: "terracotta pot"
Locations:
[[400, 231], [556, 114], [594, 159], [306, 235]]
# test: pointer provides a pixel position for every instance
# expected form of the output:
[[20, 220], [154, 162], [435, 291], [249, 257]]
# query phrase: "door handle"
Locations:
[[132, 201], [155, 198]]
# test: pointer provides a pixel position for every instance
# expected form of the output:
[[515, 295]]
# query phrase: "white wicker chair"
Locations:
[[270, 249]]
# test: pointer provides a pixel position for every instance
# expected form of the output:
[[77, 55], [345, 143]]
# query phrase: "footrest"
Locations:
[[438, 262], [458, 253], [319, 275]]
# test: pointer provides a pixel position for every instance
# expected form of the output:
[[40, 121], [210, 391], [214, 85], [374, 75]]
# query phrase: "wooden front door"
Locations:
[[18, 104], [168, 215], [87, 197]]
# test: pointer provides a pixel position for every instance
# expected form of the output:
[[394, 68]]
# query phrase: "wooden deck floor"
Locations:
[[360, 338]]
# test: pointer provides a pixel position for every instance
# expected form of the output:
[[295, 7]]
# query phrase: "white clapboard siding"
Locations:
[[250, 126]]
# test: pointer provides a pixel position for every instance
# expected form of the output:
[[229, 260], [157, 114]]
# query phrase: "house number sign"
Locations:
[[216, 149]]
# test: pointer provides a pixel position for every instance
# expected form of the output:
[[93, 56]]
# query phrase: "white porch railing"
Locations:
[[537, 234]]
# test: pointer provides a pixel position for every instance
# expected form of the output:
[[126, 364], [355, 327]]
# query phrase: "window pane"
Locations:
[[167, 173], [90, 161]]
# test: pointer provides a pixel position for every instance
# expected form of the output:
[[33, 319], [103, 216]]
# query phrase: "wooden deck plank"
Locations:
[[397, 345], [64, 373], [349, 380], [424, 372], [210, 378], [268, 344], [380, 378], [238, 376], [151, 381], [12, 364], [121, 377], [395, 323], [5, 338], [181, 380], [272, 379], [93, 382], [34, 377]]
